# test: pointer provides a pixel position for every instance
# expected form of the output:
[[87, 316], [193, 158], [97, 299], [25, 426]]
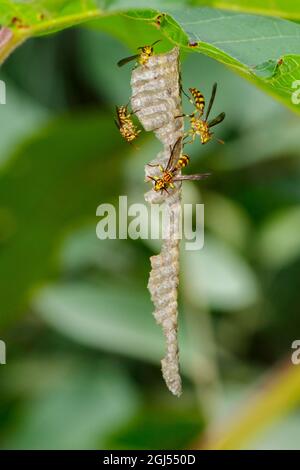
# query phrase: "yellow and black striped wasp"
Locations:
[[142, 57], [124, 123], [169, 174], [200, 126]]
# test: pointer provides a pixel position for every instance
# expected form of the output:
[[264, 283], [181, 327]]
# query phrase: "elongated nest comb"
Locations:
[[156, 95]]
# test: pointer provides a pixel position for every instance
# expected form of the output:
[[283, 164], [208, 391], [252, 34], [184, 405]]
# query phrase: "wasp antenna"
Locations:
[[184, 115], [155, 42], [153, 165], [185, 93]]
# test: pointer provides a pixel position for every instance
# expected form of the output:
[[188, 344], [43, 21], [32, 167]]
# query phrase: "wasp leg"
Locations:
[[153, 178], [184, 115], [190, 141], [156, 165], [192, 133], [187, 96]]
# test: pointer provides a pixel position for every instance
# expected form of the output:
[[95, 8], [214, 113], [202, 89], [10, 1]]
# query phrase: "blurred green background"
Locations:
[[83, 350]]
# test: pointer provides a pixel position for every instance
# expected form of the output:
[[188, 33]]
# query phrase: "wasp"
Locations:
[[142, 58], [200, 126], [169, 173], [124, 123]]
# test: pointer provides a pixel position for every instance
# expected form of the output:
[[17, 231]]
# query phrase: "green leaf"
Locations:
[[268, 145], [264, 50], [246, 43], [103, 316], [159, 428], [283, 8], [79, 410], [278, 242], [54, 181], [219, 275], [227, 220], [107, 316], [17, 106]]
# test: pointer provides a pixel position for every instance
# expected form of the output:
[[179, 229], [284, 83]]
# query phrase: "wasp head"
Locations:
[[148, 50], [122, 110]]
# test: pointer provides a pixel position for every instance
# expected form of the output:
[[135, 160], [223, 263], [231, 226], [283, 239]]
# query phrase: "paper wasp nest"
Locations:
[[156, 97]]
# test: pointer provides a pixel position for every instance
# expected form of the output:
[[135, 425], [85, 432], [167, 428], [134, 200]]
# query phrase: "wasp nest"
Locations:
[[156, 95]]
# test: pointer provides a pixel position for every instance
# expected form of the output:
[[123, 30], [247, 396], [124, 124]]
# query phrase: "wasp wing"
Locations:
[[127, 59], [211, 101], [117, 124], [153, 44], [200, 176], [118, 116], [217, 120], [173, 153]]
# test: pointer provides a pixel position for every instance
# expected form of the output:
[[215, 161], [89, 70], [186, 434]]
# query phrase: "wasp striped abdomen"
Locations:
[[198, 99], [183, 161]]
